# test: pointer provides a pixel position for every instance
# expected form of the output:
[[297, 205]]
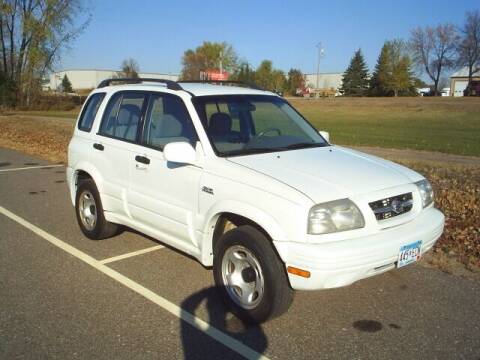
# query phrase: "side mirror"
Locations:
[[180, 152], [325, 135]]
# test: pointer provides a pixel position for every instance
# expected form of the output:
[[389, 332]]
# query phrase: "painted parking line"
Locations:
[[172, 308], [32, 167], [131, 254]]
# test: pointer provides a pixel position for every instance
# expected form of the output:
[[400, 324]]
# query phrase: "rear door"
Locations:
[[114, 148], [80, 146], [163, 196]]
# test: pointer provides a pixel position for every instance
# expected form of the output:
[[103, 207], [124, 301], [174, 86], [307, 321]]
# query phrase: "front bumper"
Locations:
[[340, 263]]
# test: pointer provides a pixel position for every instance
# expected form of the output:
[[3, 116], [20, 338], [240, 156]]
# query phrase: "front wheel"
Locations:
[[250, 275]]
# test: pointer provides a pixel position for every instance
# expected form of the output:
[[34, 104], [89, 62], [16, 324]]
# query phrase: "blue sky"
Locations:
[[156, 33]]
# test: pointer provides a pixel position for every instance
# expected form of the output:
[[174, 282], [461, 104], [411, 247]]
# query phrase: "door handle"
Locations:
[[98, 146], [142, 159]]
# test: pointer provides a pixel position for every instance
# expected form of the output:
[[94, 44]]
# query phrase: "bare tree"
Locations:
[[434, 50], [32, 35], [468, 48], [130, 68]]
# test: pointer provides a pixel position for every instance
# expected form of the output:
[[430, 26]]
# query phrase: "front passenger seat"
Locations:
[[220, 126]]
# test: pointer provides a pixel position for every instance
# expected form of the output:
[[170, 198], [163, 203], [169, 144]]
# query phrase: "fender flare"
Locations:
[[245, 210], [94, 174]]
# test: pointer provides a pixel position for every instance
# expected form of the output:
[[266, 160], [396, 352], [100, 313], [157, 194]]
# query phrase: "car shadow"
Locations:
[[197, 344]]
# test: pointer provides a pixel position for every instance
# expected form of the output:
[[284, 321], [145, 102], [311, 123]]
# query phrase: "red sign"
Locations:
[[216, 75]]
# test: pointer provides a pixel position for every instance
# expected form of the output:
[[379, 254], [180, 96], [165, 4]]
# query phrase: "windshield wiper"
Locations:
[[274, 149], [303, 145], [250, 151]]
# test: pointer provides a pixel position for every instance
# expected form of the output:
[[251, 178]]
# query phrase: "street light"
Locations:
[[320, 54]]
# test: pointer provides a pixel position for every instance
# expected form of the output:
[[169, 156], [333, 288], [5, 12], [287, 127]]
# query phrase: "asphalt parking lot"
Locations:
[[64, 296]]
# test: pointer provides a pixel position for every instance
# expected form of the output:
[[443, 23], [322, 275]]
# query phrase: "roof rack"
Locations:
[[172, 85], [223, 82]]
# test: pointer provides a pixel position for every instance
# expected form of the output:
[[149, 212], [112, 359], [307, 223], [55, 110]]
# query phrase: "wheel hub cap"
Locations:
[[243, 277], [87, 210]]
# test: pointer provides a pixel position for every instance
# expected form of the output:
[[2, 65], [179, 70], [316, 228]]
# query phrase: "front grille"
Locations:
[[392, 206]]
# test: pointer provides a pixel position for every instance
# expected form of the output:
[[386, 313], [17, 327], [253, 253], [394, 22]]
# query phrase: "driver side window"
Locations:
[[167, 120]]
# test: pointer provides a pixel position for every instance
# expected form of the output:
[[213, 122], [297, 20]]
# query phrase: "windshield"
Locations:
[[250, 124]]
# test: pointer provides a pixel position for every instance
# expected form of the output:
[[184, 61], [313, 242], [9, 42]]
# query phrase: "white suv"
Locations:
[[237, 178]]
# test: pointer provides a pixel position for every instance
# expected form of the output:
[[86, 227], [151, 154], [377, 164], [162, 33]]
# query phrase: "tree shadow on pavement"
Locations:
[[198, 345]]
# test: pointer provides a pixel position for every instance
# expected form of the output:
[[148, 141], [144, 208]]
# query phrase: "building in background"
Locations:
[[88, 79], [326, 82], [459, 81]]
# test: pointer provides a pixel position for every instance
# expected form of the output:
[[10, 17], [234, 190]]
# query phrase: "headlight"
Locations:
[[426, 192], [334, 216]]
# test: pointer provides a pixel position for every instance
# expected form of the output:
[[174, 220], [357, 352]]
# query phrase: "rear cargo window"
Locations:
[[90, 111]]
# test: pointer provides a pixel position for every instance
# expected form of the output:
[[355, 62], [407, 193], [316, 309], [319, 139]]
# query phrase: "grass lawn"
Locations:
[[42, 137], [71, 114], [449, 125], [444, 124]]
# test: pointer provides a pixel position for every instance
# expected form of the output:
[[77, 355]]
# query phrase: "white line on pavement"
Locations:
[[134, 253], [31, 167], [194, 321]]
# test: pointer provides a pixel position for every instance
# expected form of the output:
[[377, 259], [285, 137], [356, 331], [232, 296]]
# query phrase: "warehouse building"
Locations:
[[84, 79], [325, 81], [459, 81], [87, 79]]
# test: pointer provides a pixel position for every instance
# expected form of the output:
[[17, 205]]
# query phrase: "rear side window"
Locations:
[[90, 111], [122, 116]]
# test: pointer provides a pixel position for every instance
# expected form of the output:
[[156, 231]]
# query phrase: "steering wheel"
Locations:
[[269, 130]]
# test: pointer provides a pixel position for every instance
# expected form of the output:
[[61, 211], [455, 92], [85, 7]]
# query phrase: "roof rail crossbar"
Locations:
[[221, 82], [172, 85]]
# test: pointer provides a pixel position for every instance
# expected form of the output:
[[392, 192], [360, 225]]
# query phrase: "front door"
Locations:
[[163, 196]]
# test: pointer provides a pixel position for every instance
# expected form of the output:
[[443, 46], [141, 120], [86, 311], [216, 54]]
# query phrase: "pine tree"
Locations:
[[382, 73], [402, 77], [66, 84], [393, 74], [355, 78]]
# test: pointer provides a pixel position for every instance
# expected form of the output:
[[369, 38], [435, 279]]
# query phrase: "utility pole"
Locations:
[[320, 54], [221, 64]]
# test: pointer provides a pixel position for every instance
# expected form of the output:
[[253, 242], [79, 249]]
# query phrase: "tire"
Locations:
[[253, 253], [89, 211]]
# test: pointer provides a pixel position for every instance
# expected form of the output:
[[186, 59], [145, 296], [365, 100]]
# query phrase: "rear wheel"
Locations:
[[250, 275], [89, 210]]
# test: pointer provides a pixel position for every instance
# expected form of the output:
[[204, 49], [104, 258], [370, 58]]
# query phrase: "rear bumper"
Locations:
[[341, 263], [70, 183]]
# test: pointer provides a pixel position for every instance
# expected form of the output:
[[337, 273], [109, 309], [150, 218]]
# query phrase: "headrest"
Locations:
[[220, 124], [127, 114], [171, 126]]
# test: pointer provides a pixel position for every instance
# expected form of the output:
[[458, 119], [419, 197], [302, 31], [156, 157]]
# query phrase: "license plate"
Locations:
[[409, 253]]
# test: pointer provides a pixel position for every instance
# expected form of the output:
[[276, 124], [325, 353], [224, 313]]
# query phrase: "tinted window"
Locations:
[[248, 124], [89, 111], [167, 120], [219, 106], [122, 116]]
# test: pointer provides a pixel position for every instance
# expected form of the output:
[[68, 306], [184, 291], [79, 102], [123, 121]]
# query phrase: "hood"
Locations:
[[329, 173]]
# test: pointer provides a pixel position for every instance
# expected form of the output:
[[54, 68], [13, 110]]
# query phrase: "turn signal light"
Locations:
[[298, 272]]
